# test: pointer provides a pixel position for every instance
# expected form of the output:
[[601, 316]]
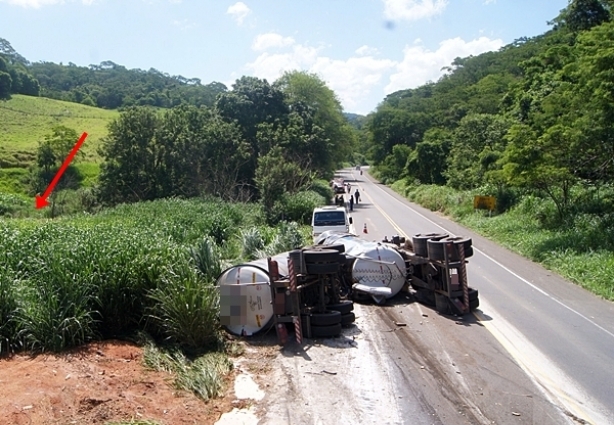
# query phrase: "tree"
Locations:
[[427, 162], [251, 103], [6, 83], [477, 143], [277, 176], [50, 154], [582, 15], [132, 159], [544, 164], [309, 96]]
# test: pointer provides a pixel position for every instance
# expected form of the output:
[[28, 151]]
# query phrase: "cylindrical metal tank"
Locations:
[[245, 295], [376, 264]]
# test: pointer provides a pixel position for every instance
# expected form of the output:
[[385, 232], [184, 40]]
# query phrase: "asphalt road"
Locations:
[[537, 342]]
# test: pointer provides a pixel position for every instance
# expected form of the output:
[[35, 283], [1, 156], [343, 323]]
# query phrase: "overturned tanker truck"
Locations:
[[313, 288]]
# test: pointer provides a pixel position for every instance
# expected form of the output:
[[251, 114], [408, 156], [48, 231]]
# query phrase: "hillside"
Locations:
[[25, 120]]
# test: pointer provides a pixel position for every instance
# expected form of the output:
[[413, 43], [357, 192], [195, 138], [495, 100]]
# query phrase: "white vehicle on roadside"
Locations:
[[330, 218]]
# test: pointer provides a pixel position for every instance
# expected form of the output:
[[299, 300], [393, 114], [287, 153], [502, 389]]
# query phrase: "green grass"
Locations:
[[25, 120], [201, 374], [582, 250], [13, 180]]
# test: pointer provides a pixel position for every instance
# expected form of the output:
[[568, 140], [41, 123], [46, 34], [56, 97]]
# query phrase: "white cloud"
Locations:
[[421, 65], [238, 11], [272, 65], [366, 51], [35, 4], [351, 79], [271, 39], [413, 10], [183, 24]]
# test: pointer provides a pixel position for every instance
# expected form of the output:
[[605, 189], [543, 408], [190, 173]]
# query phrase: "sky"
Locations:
[[363, 49]]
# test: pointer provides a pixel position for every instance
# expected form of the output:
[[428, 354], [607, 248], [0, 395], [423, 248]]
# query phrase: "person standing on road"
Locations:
[[349, 189], [351, 203], [357, 195]]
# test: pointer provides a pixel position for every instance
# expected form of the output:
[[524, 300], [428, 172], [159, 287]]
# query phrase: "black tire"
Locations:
[[436, 248], [466, 242], [348, 319], [344, 307], [325, 331], [473, 294], [324, 268], [327, 318], [313, 256], [473, 304], [419, 242]]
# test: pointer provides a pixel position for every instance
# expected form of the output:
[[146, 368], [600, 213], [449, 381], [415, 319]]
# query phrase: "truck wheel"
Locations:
[[313, 256], [327, 318], [473, 294], [436, 248], [419, 242], [466, 242], [473, 304], [324, 268], [344, 307], [348, 319], [326, 331]]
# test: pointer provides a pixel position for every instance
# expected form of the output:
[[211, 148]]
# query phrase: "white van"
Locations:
[[330, 218]]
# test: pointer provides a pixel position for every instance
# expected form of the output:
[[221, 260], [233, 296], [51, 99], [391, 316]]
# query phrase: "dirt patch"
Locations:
[[96, 384]]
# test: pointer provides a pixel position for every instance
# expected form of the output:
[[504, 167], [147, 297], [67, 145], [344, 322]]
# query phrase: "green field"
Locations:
[[25, 120]]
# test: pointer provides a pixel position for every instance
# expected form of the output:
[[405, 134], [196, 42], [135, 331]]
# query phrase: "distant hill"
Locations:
[[355, 120], [106, 85], [109, 85]]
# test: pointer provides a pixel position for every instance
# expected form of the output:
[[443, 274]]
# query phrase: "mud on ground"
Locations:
[[101, 383]]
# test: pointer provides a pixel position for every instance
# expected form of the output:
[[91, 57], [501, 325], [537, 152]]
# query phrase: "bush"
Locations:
[[322, 188], [299, 206]]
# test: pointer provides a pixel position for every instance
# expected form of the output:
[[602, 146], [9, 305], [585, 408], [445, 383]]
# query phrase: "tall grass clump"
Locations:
[[206, 257], [185, 308], [287, 238], [252, 243]]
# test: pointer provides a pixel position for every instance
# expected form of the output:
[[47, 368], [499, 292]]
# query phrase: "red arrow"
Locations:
[[41, 201]]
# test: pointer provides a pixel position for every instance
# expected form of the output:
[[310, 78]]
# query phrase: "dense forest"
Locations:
[[535, 117], [107, 85]]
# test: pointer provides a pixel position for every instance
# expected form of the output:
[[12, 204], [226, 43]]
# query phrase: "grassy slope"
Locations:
[[25, 120]]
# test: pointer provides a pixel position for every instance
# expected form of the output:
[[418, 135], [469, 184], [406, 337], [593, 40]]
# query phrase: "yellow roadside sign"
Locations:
[[484, 202]]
